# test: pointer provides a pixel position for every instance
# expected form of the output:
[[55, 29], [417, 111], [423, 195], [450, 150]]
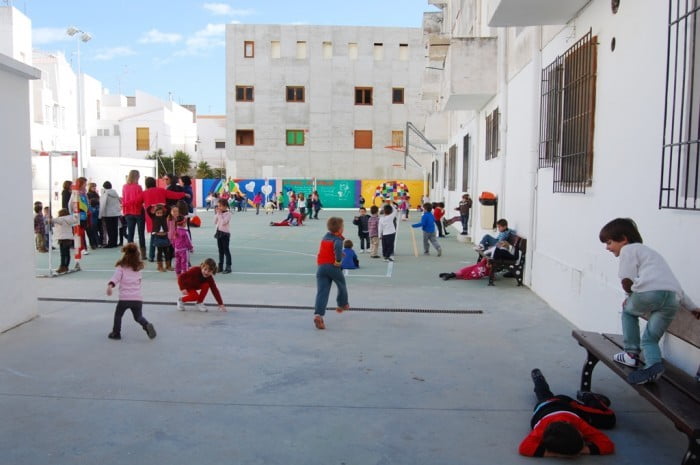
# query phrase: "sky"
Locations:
[[175, 48]]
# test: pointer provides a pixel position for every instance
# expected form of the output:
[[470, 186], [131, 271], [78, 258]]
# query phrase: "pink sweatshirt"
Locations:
[[221, 220], [129, 282]]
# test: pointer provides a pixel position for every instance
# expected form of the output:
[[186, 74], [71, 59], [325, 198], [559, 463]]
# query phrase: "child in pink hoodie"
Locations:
[[128, 277]]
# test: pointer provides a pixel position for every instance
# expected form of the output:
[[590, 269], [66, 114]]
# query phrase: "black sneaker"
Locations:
[[537, 375], [150, 330], [115, 336]]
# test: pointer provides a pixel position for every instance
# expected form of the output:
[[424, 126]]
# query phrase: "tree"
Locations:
[[179, 164], [204, 171], [219, 173]]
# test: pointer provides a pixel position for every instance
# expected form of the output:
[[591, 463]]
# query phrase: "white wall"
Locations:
[[211, 129], [17, 279]]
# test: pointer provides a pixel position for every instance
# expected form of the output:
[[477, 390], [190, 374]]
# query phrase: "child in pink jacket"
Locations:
[[128, 277]]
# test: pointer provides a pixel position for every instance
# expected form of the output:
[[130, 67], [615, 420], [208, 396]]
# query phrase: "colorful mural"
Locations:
[[335, 193], [376, 191]]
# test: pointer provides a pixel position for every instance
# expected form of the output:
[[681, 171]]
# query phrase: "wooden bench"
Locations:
[[676, 394], [515, 266]]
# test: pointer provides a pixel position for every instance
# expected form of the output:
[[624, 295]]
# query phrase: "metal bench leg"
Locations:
[[491, 275], [587, 372], [692, 457]]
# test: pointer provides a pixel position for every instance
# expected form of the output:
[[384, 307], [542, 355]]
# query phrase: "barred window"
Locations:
[[567, 112], [680, 165], [466, 141], [452, 169], [492, 121]]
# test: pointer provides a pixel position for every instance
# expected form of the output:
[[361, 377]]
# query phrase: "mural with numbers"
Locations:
[[334, 193]]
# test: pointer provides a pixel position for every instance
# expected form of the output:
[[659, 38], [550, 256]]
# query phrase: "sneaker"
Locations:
[[150, 330], [343, 308], [426, 253], [646, 375], [537, 375], [115, 336], [84, 252], [180, 304], [390, 259], [439, 252], [318, 322], [226, 271], [625, 358], [202, 308], [374, 256], [386, 259]]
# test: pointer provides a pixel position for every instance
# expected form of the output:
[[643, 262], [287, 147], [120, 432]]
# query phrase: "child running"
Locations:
[[651, 288], [199, 278], [330, 254], [222, 218], [128, 277], [428, 225]]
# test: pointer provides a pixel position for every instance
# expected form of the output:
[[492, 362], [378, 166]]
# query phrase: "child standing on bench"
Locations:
[[651, 287]]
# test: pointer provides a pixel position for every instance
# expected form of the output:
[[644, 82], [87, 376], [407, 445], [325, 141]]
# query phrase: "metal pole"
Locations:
[[50, 244]]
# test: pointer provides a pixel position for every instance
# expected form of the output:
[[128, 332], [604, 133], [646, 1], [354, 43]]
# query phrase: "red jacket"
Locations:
[[154, 196], [193, 279], [331, 249], [130, 195], [598, 443]]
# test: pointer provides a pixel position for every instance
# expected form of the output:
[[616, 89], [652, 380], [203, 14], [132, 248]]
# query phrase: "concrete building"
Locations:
[[585, 117], [306, 101]]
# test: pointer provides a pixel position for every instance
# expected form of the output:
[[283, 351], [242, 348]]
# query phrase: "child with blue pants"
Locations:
[[330, 255], [651, 287]]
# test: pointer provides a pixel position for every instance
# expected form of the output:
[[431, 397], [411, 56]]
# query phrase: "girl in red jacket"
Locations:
[[195, 283]]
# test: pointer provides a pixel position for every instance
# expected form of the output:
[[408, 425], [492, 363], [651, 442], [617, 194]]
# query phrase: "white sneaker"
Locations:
[[202, 308], [84, 252], [439, 252], [624, 358], [180, 304]]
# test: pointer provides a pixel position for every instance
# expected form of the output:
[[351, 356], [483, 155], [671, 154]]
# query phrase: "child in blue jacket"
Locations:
[[427, 224], [350, 260]]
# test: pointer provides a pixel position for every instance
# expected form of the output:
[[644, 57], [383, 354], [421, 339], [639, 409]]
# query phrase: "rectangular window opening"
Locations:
[[452, 168], [680, 157], [363, 139], [248, 49], [397, 95], [352, 51], [492, 131], [567, 114], [378, 51], [327, 50], [397, 139], [295, 137], [143, 141], [466, 141], [245, 137], [403, 52], [363, 96], [301, 50], [295, 93], [219, 144], [244, 93], [275, 49]]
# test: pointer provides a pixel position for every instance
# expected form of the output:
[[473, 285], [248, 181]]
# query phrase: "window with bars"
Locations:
[[465, 162], [491, 139], [244, 93], [295, 93], [397, 139], [295, 137], [567, 112], [680, 158], [363, 96], [452, 168]]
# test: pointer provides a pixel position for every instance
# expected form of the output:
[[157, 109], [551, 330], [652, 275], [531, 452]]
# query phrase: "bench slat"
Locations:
[[681, 408]]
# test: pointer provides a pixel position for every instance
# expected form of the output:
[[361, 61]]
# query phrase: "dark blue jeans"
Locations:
[[326, 275], [133, 222], [224, 252]]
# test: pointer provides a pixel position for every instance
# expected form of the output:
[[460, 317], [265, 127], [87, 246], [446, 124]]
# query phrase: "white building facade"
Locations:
[[211, 140], [306, 101], [573, 131]]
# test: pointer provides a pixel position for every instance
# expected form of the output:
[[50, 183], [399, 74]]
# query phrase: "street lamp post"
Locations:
[[83, 37]]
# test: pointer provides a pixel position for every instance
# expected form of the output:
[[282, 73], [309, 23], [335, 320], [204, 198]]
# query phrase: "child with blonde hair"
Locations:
[[128, 277]]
